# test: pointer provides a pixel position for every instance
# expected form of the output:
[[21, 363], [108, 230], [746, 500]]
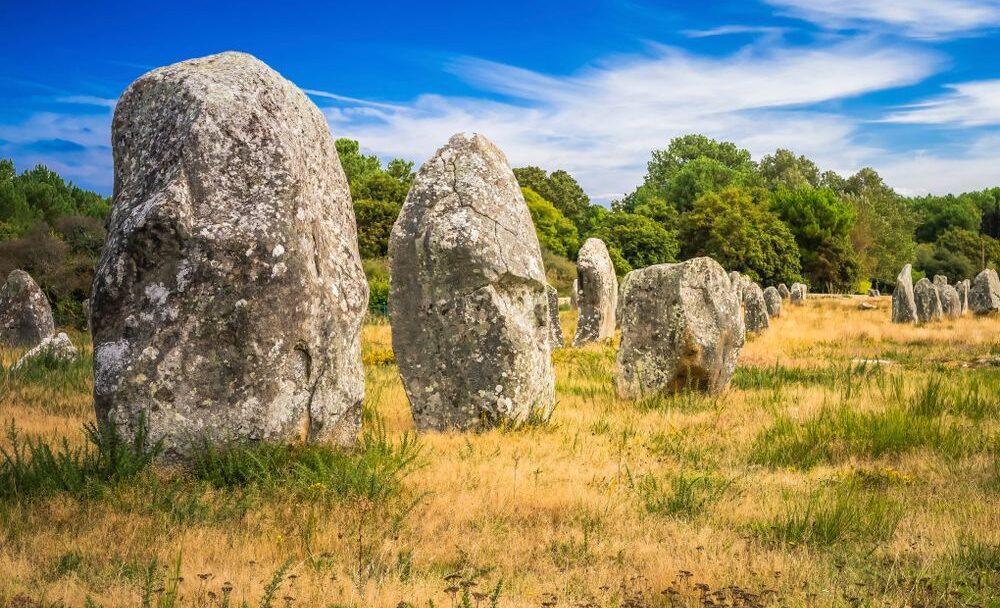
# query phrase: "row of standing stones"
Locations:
[[930, 301], [228, 300]]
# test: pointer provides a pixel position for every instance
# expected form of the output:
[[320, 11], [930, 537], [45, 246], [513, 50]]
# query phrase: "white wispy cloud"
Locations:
[[729, 30], [601, 123], [88, 100], [927, 19], [968, 104], [929, 172]]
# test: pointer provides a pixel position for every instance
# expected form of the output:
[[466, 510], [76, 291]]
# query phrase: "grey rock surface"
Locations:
[[59, 348], [951, 302], [904, 308], [680, 330], [797, 294], [772, 299], [755, 316], [928, 302], [25, 314], [468, 296], [598, 293], [940, 280], [555, 326], [963, 294], [228, 300], [784, 291], [984, 294]]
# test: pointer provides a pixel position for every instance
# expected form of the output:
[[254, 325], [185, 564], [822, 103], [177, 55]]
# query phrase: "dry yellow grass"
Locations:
[[612, 501]]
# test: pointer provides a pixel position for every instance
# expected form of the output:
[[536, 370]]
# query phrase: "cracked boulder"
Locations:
[[228, 300], [25, 314], [598, 295], [468, 298], [984, 295], [681, 329], [928, 302], [904, 308], [772, 299]]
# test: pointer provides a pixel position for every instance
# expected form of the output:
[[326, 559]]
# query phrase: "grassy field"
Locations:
[[819, 479]]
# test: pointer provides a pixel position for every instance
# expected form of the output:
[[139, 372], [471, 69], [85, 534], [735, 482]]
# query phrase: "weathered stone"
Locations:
[[784, 292], [963, 294], [598, 296], [928, 302], [228, 300], [467, 295], [681, 329], [904, 308], [755, 316], [736, 280], [58, 348], [797, 294], [25, 314], [773, 301], [874, 293], [951, 302], [555, 327], [940, 280], [574, 295], [984, 294], [621, 298]]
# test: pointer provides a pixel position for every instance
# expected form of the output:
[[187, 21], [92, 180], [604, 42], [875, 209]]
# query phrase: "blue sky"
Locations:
[[910, 88]]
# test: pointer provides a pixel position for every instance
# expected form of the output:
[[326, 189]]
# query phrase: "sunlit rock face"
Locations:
[[681, 329], [229, 297], [773, 301], [927, 300], [25, 314], [904, 308], [984, 295], [468, 298], [598, 293]]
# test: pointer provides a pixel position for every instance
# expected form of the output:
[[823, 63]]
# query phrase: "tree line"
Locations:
[[779, 219]]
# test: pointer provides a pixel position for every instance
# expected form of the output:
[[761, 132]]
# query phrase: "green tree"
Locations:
[[375, 219], [637, 240], [939, 213], [785, 170], [741, 234], [821, 223], [560, 189], [882, 236], [555, 232]]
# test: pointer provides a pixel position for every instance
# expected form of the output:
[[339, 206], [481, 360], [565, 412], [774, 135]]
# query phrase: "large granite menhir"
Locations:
[[25, 314], [681, 329], [228, 300], [598, 295], [468, 296], [904, 307], [928, 301], [984, 294]]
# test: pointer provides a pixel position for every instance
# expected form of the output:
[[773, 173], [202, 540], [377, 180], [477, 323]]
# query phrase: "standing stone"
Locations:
[[963, 295], [797, 294], [621, 298], [984, 295], [25, 314], [755, 315], [772, 299], [784, 292], [555, 327], [736, 279], [598, 295], [468, 296], [58, 348], [904, 308], [574, 296], [928, 302], [940, 281], [228, 300], [681, 329], [951, 302]]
